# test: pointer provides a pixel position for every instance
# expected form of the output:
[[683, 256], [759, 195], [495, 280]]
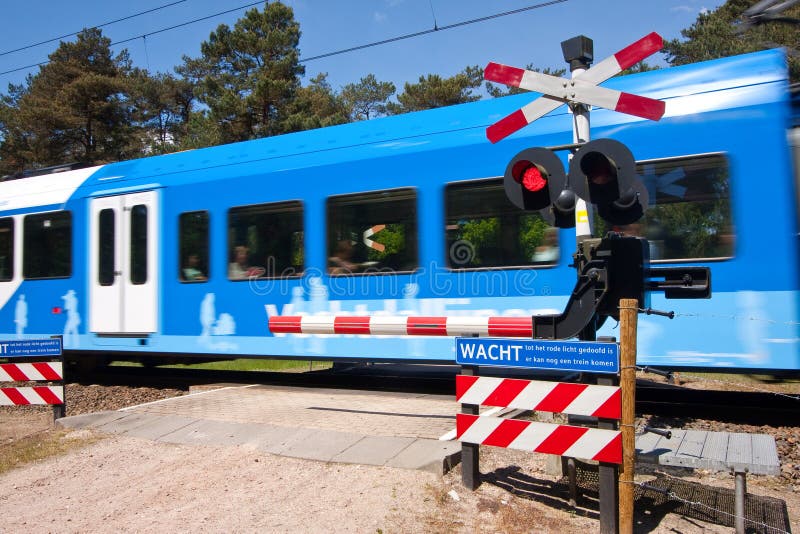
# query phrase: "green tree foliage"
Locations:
[[716, 34], [393, 238], [200, 131], [73, 110], [433, 91], [368, 98], [249, 76], [316, 105], [161, 107]]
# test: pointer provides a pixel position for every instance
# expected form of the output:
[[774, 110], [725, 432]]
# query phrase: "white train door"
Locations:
[[123, 260]]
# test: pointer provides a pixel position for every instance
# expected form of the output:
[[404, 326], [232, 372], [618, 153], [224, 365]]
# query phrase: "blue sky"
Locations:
[[532, 36]]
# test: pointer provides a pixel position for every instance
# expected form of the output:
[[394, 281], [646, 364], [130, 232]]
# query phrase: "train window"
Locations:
[[372, 232], [106, 247], [689, 214], [6, 249], [47, 245], [266, 241], [138, 244], [484, 229], [193, 235]]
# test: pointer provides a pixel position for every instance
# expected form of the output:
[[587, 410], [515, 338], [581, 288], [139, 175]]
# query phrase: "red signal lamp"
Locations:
[[535, 180], [529, 175]]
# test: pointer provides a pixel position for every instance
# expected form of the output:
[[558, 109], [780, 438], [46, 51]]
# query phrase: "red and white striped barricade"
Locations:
[[40, 371], [402, 325], [564, 440]]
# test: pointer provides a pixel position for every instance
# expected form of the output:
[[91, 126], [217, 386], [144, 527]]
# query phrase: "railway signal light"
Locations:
[[604, 173], [535, 180]]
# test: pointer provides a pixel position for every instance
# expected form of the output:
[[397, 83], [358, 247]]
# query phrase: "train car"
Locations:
[[189, 254]]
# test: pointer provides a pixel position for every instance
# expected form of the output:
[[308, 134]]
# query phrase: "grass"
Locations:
[[39, 446]]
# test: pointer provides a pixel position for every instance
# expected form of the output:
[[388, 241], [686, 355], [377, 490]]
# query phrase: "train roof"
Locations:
[[438, 128]]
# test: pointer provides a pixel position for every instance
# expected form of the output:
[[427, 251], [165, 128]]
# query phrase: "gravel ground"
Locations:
[[125, 484]]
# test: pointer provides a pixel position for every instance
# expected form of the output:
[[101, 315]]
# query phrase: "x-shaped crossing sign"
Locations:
[[580, 89]]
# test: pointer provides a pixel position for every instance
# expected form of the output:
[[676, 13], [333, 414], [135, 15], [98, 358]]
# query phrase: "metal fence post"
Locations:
[[470, 468]]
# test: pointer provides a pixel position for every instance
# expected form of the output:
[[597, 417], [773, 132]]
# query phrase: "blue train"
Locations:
[[189, 254]]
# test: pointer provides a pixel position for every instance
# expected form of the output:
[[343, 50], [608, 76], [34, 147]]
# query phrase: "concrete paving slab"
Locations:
[[89, 420], [160, 425], [373, 450], [124, 424], [371, 428], [288, 438], [215, 433], [321, 445], [430, 455]]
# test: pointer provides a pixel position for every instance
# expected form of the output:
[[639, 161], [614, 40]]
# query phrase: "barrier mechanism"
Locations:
[[603, 402], [19, 368]]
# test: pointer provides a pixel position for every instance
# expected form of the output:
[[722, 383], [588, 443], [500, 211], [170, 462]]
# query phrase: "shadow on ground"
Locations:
[[661, 496]]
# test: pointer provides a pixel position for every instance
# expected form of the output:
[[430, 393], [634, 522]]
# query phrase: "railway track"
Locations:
[[751, 408]]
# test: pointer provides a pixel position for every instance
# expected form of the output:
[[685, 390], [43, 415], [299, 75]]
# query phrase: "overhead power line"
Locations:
[[145, 35], [162, 30], [431, 30], [26, 47], [334, 53]]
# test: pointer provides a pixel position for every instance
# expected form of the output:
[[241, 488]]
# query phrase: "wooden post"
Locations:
[[628, 310], [470, 452]]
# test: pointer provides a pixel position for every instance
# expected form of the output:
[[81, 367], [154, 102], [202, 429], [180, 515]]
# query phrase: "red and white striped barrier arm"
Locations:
[[556, 397], [24, 372], [563, 440], [605, 69], [402, 325], [32, 395]]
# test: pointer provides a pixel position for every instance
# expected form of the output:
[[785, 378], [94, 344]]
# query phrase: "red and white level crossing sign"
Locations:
[[556, 397], [563, 440], [581, 89], [32, 395], [26, 372]]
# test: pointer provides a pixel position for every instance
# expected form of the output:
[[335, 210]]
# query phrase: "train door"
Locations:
[[123, 249]]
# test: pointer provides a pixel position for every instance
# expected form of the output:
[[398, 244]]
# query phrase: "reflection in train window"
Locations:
[[484, 229], [6, 249], [689, 214], [193, 246], [373, 232], [47, 245], [265, 241], [106, 247], [138, 250]]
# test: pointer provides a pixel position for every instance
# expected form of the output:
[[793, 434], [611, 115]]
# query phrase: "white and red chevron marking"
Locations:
[[402, 325], [556, 397], [24, 372], [32, 395], [563, 440], [605, 69]]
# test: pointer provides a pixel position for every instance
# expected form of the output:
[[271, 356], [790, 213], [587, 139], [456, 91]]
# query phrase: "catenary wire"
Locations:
[[26, 47], [144, 35], [337, 52], [431, 30]]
